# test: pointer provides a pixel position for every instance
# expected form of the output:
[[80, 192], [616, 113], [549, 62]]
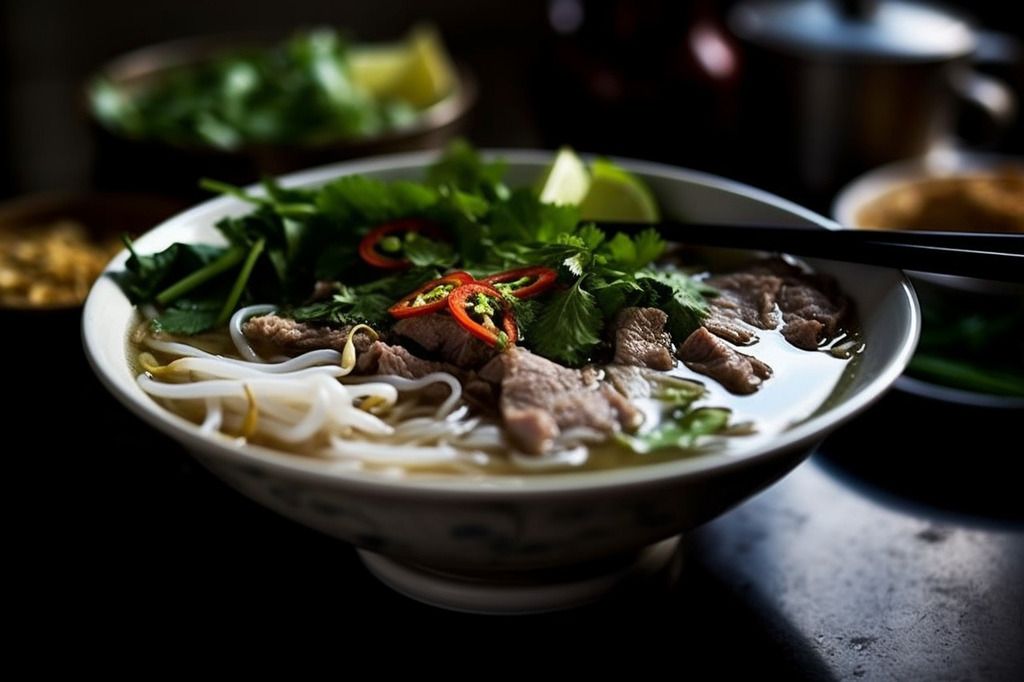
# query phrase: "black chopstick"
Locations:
[[982, 255]]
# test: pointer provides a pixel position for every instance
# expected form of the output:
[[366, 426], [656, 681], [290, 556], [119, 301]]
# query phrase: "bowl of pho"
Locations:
[[439, 358]]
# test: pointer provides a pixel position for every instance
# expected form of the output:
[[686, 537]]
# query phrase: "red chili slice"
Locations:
[[482, 325], [370, 245], [541, 279], [423, 301]]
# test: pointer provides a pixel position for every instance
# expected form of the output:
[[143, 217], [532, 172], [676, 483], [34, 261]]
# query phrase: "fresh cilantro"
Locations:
[[572, 325], [683, 298], [526, 312], [522, 218], [462, 168], [349, 306], [186, 317], [424, 252], [636, 253], [294, 238]]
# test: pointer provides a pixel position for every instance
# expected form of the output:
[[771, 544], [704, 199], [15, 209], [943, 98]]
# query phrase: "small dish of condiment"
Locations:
[[972, 342], [54, 246]]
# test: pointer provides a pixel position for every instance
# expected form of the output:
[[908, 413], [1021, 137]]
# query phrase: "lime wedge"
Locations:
[[429, 75], [616, 194], [417, 70], [566, 180], [377, 68]]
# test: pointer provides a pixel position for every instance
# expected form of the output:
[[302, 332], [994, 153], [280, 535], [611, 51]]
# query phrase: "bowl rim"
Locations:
[[150, 60], [804, 434]]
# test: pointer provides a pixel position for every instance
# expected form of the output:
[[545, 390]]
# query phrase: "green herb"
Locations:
[[299, 92], [967, 375], [683, 299], [682, 431], [572, 326], [293, 238], [975, 344], [187, 317], [676, 392], [425, 252], [462, 169]]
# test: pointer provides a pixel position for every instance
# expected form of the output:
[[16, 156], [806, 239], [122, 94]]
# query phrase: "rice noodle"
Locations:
[[242, 344], [350, 421], [214, 416], [401, 383]]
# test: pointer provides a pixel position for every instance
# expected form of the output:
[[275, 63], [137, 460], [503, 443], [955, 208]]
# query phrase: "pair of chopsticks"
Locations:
[[993, 256]]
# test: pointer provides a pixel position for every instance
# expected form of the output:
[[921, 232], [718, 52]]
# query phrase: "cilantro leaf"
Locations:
[[683, 299], [632, 254], [591, 236], [572, 325], [424, 252], [186, 317], [526, 311], [348, 306], [523, 218], [461, 168], [649, 248]]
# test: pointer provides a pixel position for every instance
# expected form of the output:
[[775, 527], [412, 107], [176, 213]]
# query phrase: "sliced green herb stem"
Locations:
[[240, 282], [230, 259]]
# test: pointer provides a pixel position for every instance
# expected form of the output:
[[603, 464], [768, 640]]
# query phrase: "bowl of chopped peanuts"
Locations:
[[53, 246]]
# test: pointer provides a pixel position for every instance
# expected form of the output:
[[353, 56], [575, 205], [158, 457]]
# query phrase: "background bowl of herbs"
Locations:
[[239, 108]]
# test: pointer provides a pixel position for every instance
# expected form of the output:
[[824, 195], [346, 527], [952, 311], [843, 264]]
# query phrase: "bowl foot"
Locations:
[[522, 593]]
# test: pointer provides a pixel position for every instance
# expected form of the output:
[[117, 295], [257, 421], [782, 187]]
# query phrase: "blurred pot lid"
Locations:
[[854, 29]]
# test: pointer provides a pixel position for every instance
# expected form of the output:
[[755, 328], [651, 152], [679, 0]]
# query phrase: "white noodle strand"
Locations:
[[242, 344]]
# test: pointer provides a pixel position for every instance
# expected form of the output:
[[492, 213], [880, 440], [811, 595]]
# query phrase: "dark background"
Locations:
[[898, 558], [641, 92]]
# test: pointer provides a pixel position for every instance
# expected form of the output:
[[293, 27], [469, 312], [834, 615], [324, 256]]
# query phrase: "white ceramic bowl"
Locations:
[[491, 545]]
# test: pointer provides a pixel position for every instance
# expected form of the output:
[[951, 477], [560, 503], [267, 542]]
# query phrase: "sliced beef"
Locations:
[[745, 302], [443, 336], [290, 336], [705, 353], [641, 339], [540, 399], [809, 307], [383, 358], [811, 315]]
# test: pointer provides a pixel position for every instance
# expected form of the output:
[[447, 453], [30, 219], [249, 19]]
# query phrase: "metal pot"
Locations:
[[831, 89]]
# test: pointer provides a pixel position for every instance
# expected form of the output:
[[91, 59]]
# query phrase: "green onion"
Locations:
[[230, 258], [240, 282]]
